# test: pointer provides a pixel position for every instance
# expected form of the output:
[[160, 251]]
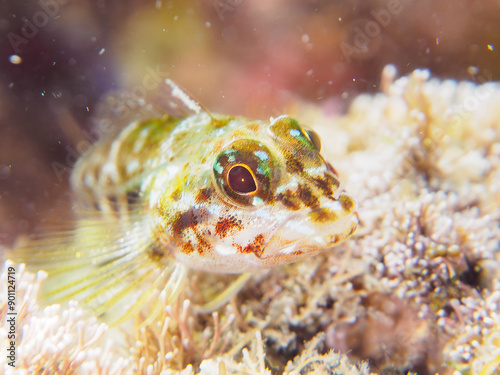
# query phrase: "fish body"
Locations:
[[210, 192]]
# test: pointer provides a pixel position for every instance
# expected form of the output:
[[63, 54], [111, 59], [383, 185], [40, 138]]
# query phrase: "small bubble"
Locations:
[[208, 24], [101, 52], [472, 70], [491, 47], [310, 72], [176, 17], [305, 38], [15, 59]]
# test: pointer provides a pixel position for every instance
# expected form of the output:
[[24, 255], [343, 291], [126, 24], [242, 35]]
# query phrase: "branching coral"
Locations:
[[177, 339], [51, 340]]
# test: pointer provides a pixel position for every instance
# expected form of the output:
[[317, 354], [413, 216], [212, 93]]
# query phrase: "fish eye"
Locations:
[[289, 132], [243, 173], [241, 179], [313, 137]]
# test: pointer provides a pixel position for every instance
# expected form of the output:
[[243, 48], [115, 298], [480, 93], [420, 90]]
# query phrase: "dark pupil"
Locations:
[[241, 180]]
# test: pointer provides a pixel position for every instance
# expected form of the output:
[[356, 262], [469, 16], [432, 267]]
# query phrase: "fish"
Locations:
[[180, 188]]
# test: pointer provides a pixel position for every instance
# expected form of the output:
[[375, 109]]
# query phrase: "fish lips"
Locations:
[[306, 233]]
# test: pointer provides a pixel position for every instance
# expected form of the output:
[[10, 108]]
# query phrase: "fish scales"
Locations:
[[203, 191]]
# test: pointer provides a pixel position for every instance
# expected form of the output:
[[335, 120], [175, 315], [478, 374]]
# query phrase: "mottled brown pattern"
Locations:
[[203, 195], [294, 166], [328, 184], [184, 220], [346, 203], [187, 247], [189, 220], [307, 197], [227, 225], [289, 200], [202, 245], [256, 247], [322, 215], [156, 251]]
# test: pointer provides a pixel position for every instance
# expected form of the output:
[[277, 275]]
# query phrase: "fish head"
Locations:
[[267, 198]]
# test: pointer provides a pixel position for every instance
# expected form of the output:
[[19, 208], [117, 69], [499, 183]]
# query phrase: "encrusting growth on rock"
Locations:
[[414, 290]]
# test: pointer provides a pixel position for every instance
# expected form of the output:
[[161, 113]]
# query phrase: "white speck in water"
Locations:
[[176, 17], [472, 70], [15, 59], [305, 38], [101, 52], [208, 24], [310, 72]]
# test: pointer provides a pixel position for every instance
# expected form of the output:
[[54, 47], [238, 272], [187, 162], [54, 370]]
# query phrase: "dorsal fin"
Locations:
[[121, 107]]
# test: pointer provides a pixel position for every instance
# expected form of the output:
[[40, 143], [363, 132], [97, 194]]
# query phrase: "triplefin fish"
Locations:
[[180, 188]]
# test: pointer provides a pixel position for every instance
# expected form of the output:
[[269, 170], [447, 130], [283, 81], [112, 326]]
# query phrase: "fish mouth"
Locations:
[[305, 233]]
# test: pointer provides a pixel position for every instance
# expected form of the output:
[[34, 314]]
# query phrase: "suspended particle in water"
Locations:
[[15, 59]]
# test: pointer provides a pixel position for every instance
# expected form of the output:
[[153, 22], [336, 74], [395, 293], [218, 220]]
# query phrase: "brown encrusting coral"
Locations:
[[414, 290]]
